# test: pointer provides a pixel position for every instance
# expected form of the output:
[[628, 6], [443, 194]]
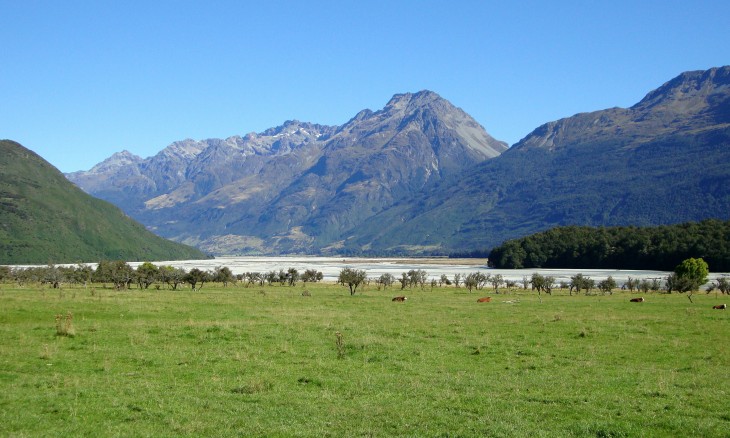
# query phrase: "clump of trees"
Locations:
[[656, 248], [414, 277], [385, 280], [542, 283]]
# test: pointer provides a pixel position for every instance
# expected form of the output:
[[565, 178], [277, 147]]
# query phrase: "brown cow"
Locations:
[[399, 299], [637, 300], [484, 300], [720, 306]]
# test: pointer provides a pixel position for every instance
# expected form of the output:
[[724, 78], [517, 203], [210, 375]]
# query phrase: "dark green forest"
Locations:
[[656, 248]]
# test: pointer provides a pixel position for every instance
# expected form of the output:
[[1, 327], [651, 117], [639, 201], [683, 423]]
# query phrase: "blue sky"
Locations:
[[80, 80]]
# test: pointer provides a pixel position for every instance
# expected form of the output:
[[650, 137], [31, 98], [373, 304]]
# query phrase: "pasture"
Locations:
[[268, 361]]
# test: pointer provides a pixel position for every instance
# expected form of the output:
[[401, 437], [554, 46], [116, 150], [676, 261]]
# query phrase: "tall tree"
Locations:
[[688, 276]]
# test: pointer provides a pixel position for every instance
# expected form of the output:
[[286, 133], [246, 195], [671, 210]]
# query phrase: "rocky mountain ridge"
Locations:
[[662, 161], [297, 187], [421, 176]]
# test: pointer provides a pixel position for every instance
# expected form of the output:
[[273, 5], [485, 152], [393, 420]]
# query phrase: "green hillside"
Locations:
[[46, 219]]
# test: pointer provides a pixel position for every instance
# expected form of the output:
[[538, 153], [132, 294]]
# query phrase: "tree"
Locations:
[[549, 284], [53, 276], [723, 283], [223, 275], [196, 276], [694, 270], [255, 277], [607, 285], [631, 284], [283, 277], [172, 276], [588, 284], [83, 274], [457, 280], [471, 281], [655, 285], [688, 276], [576, 282], [497, 281], [271, 277], [119, 273], [312, 275], [103, 272], [147, 273], [422, 277], [542, 284], [385, 280], [351, 278], [403, 280], [444, 280], [292, 276], [644, 286], [417, 278]]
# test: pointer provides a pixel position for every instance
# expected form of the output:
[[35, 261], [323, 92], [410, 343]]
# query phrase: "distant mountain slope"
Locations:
[[299, 187], [46, 219], [662, 161]]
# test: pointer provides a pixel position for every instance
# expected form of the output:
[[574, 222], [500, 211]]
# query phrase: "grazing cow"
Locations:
[[399, 299], [637, 300], [484, 300], [720, 306]]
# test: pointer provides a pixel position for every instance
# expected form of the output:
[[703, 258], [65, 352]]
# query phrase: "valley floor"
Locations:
[[275, 361]]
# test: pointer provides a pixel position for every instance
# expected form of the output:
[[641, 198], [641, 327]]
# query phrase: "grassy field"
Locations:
[[266, 361]]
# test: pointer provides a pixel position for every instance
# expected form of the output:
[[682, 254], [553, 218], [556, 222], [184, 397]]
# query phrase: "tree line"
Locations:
[[652, 248], [120, 275], [688, 276]]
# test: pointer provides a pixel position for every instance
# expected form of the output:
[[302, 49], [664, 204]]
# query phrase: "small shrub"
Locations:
[[309, 381], [340, 342], [65, 325], [46, 353], [306, 293], [253, 387]]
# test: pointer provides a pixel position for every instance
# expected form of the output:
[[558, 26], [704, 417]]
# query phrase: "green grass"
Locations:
[[238, 362]]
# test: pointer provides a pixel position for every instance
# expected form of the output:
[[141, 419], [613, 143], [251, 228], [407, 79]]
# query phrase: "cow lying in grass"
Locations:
[[637, 300], [484, 300], [399, 299], [720, 306]]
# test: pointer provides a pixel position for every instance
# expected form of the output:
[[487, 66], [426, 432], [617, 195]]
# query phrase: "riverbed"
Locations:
[[375, 267]]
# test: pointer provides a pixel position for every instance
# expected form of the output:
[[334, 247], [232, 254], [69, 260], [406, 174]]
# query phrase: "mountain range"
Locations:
[[46, 219], [300, 187], [422, 176]]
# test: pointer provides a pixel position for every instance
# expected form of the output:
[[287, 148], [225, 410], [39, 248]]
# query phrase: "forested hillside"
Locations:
[[656, 248], [46, 219]]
